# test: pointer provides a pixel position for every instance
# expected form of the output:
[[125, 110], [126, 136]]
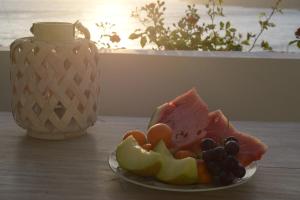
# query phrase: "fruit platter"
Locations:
[[187, 148]]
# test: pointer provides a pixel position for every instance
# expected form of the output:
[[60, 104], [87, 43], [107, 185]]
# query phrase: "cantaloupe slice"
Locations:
[[132, 157], [176, 171]]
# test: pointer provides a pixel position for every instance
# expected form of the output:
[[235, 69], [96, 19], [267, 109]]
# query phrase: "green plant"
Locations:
[[189, 33], [297, 40], [108, 38], [265, 23]]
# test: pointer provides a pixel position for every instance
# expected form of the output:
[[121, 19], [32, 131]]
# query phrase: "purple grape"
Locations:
[[226, 178], [239, 171], [207, 144], [208, 155], [230, 163], [232, 147], [216, 180], [230, 138], [219, 153], [214, 168]]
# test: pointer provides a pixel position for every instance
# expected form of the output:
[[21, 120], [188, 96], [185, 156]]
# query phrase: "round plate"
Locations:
[[150, 182]]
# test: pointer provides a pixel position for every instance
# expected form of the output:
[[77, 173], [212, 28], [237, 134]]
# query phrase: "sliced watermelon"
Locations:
[[218, 126], [190, 121], [187, 115], [251, 148]]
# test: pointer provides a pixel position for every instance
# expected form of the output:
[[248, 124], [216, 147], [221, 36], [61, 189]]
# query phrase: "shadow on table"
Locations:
[[70, 168]]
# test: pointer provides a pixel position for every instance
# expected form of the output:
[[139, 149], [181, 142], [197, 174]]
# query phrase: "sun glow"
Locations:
[[115, 12]]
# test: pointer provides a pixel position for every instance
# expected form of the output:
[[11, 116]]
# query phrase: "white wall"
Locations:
[[257, 86]]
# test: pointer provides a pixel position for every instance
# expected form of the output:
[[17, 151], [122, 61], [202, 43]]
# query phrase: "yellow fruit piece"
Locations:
[[174, 171], [132, 157]]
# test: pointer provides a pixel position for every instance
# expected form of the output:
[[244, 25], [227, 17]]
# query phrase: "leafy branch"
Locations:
[[108, 38], [265, 25], [297, 41], [189, 33]]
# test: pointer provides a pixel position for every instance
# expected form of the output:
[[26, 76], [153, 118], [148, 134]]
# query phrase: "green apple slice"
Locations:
[[176, 171], [132, 157]]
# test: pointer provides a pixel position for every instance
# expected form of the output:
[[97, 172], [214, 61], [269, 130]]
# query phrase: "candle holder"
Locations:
[[55, 82]]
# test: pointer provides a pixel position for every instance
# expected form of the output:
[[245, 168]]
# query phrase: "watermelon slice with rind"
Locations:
[[219, 128], [187, 115], [190, 121]]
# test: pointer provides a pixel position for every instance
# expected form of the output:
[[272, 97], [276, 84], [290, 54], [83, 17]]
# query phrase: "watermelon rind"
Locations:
[[156, 115]]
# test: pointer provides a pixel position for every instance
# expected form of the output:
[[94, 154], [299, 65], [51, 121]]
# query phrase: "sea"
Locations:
[[17, 16]]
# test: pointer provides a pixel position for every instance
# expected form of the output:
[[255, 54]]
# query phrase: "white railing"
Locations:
[[246, 86]]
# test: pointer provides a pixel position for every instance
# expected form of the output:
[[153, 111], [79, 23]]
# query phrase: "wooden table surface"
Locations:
[[78, 169]]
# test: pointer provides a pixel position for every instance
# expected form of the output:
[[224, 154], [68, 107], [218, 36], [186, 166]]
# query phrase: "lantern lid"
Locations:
[[53, 31]]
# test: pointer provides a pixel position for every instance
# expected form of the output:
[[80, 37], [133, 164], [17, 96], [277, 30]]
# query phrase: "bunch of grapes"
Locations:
[[221, 160]]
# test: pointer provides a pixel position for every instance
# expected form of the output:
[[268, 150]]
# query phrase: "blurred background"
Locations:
[[16, 17]]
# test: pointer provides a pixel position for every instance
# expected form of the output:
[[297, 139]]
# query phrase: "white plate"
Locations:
[[152, 183]]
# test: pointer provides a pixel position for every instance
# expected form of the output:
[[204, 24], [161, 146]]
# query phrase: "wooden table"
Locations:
[[77, 169]]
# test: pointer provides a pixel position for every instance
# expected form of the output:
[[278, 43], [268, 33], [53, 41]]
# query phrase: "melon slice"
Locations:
[[251, 148], [175, 171], [132, 157], [187, 115]]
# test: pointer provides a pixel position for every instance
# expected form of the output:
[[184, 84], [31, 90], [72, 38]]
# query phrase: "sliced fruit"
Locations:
[[132, 157], [232, 147], [184, 154], [239, 171], [250, 147], [147, 147], [138, 135], [204, 176], [173, 171], [207, 144], [187, 115], [226, 178], [159, 132]]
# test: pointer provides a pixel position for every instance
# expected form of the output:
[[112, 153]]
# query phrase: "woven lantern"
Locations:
[[55, 82]]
